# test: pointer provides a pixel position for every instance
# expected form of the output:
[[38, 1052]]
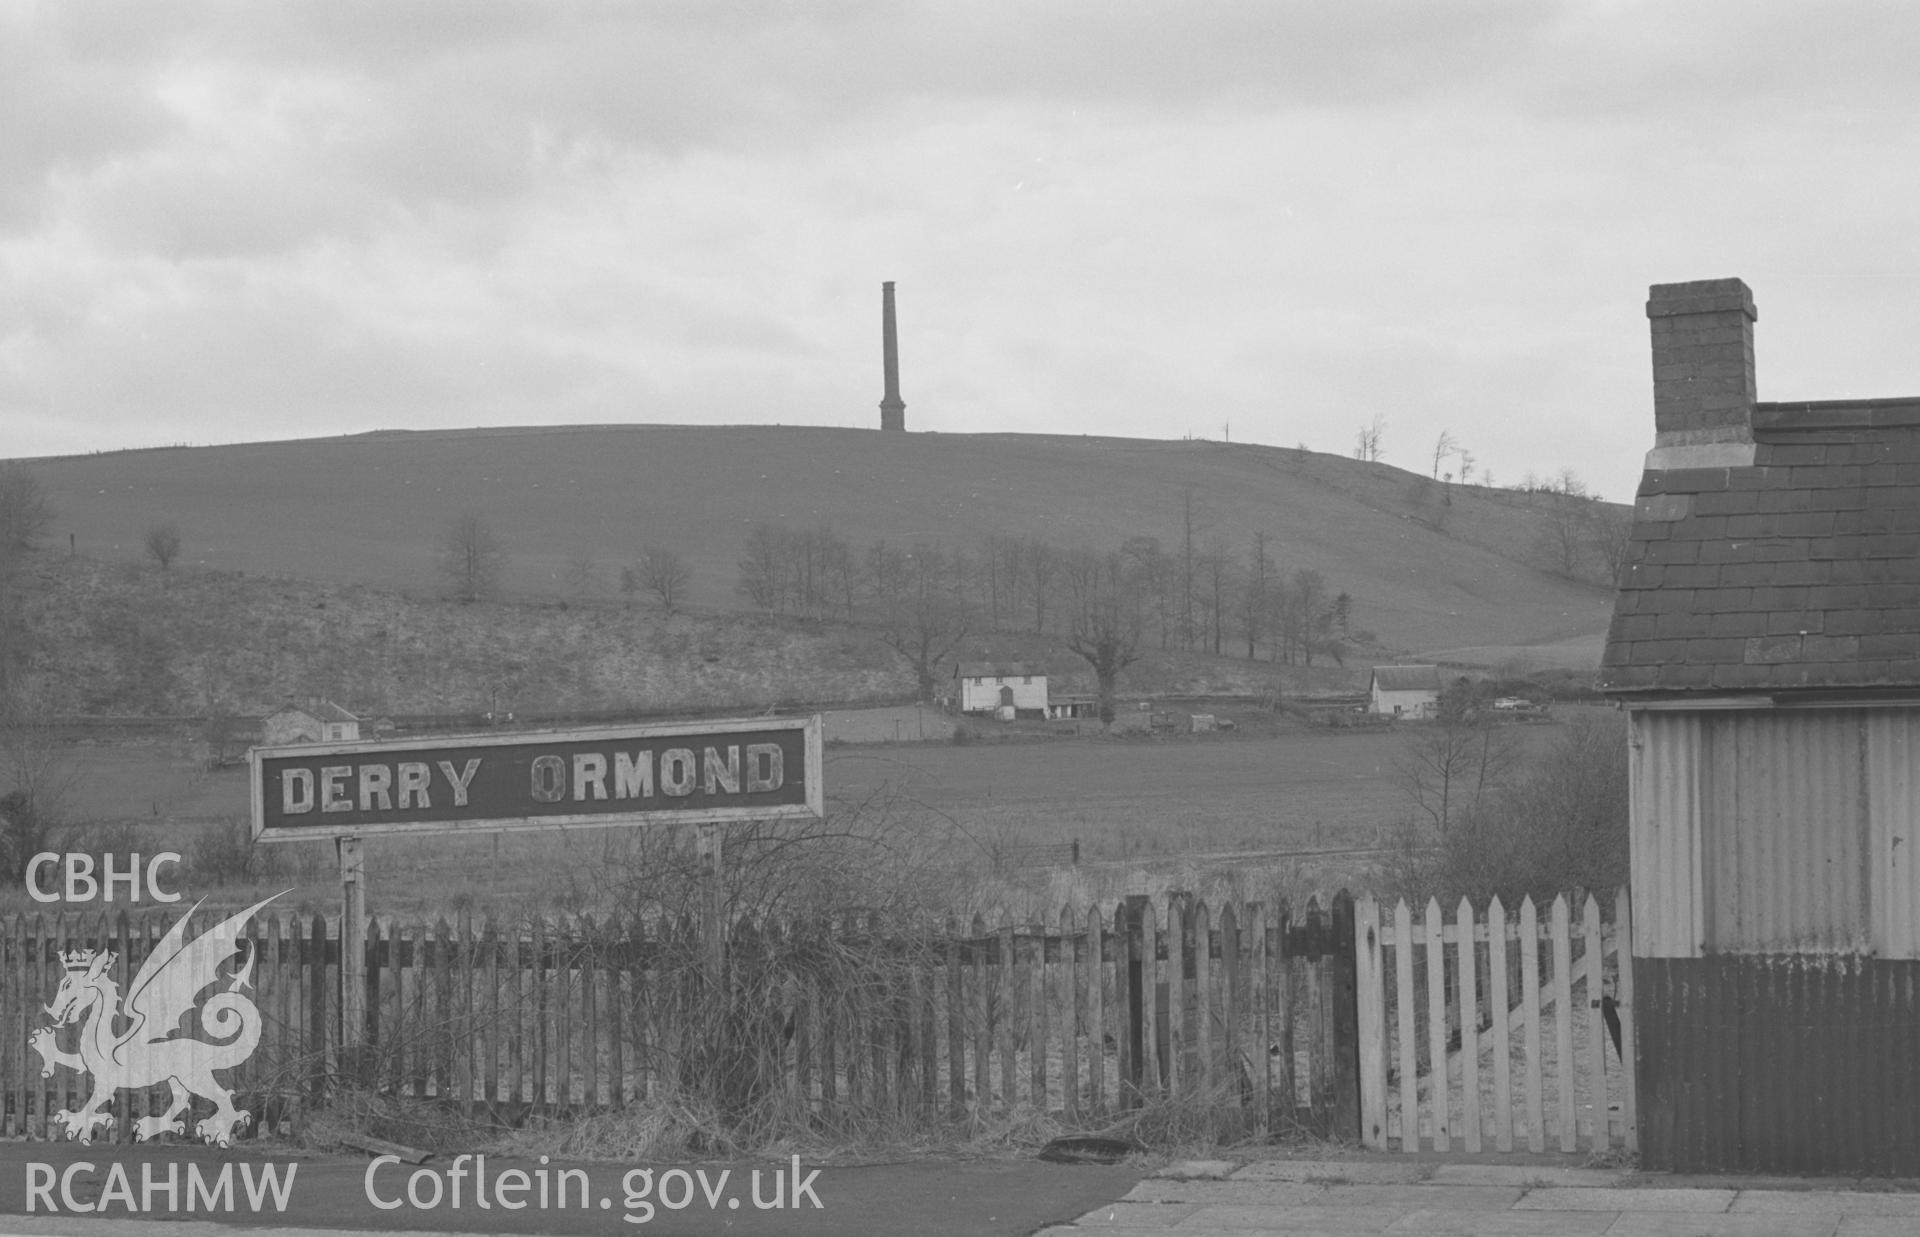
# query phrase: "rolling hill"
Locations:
[[1457, 578]]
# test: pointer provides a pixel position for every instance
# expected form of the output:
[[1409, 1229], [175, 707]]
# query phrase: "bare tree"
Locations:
[[163, 544], [1450, 765], [471, 556], [1187, 575], [1042, 563], [1366, 444], [1563, 541], [1466, 468], [1313, 621], [1218, 573], [666, 575], [926, 619], [760, 566], [1256, 595], [1442, 448], [1609, 532], [1106, 631], [888, 570], [1152, 572]]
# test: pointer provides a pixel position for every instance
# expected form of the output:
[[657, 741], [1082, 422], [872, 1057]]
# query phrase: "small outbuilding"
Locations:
[[1404, 691], [315, 721], [1073, 706], [1765, 644], [990, 687]]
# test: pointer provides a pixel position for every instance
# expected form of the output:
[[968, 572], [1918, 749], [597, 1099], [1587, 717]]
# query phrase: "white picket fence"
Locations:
[[1471, 1031]]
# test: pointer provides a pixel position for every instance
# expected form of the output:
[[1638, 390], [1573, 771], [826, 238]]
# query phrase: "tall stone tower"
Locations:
[[893, 410]]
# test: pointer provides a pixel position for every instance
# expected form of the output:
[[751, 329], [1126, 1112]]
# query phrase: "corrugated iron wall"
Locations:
[[1777, 916], [1775, 831], [1893, 794], [1663, 759], [1786, 1063], [1785, 832]]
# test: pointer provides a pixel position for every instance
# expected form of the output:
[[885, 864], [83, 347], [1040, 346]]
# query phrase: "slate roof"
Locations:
[[1798, 573], [319, 711], [1407, 678], [996, 670]]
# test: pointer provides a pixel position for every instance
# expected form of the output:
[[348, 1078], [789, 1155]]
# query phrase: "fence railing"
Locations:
[[1497, 1027], [1242, 1009]]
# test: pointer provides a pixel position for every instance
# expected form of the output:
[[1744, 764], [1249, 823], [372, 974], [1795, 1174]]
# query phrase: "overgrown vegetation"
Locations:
[[1553, 823], [35, 778], [25, 515]]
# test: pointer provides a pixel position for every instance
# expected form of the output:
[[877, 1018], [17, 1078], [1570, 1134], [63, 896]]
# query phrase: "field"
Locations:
[[1141, 797], [1259, 811], [1428, 568]]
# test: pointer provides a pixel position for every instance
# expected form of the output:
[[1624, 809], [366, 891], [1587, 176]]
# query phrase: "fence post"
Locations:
[[1623, 988], [1371, 1012], [1346, 1021], [317, 1009], [1285, 1086], [353, 958], [1128, 976]]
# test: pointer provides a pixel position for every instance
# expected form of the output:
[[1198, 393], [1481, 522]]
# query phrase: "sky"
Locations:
[[1266, 221]]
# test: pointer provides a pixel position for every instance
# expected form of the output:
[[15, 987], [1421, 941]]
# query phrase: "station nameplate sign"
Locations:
[[754, 768]]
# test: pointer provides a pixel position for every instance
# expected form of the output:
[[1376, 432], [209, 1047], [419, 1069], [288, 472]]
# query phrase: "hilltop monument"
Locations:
[[893, 410]]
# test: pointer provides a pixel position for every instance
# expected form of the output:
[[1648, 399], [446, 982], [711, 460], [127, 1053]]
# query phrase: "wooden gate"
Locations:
[[1496, 1032]]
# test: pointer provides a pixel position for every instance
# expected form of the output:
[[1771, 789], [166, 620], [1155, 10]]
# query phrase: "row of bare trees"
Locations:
[[1207, 600], [472, 557], [926, 598]]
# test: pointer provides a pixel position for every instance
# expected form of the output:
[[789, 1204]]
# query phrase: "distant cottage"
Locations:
[[316, 721], [1404, 691], [1765, 644], [1005, 690]]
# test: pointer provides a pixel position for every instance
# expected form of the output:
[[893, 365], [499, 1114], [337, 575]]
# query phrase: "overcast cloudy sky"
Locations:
[[223, 222]]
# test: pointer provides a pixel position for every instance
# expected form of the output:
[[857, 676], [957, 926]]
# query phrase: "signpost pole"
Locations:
[[712, 916], [353, 955]]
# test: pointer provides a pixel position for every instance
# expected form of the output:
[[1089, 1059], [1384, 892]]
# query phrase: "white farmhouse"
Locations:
[[316, 721], [1004, 689], [1405, 691]]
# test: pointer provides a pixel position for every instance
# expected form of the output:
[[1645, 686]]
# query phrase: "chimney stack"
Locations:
[[1703, 387], [893, 411]]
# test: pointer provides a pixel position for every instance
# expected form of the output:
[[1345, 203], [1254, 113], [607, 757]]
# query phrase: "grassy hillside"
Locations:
[[367, 510], [121, 639]]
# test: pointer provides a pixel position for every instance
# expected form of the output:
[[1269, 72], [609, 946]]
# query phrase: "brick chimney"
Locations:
[[893, 410], [1703, 387]]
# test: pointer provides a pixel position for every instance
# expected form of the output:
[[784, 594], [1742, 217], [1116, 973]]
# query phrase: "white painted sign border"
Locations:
[[815, 805]]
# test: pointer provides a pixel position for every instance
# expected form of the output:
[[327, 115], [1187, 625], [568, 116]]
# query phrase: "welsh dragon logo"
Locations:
[[149, 1048]]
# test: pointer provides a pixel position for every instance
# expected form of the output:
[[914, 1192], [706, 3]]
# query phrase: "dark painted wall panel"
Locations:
[[1782, 1063]]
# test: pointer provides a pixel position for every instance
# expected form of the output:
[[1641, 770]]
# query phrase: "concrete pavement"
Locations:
[[181, 1190], [1410, 1198]]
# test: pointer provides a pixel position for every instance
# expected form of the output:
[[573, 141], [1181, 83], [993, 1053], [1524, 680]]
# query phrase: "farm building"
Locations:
[[1404, 691], [1765, 643], [316, 721], [988, 687], [1072, 706]]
